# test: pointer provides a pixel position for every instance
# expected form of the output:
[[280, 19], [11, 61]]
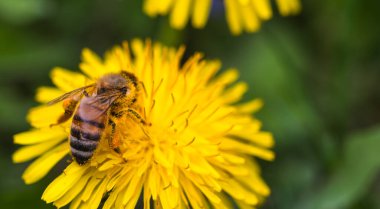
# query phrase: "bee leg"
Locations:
[[69, 107], [114, 137], [137, 117], [132, 114], [85, 93]]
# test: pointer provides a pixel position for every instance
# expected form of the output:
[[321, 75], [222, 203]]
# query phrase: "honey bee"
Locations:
[[100, 104]]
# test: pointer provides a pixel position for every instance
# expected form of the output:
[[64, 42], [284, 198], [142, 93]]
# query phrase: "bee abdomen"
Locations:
[[82, 150], [83, 145], [88, 134], [91, 122], [80, 156]]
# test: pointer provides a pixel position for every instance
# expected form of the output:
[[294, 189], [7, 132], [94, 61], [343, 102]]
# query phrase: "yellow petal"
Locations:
[[180, 13], [39, 168], [229, 144], [68, 80], [154, 7], [296, 6], [211, 195], [136, 194], [251, 106], [96, 196], [119, 59], [109, 164], [262, 8], [150, 8], [235, 159], [132, 187], [154, 182], [233, 16], [92, 65], [235, 93], [225, 202], [236, 170], [58, 188], [44, 116], [40, 135], [264, 139], [283, 7], [46, 94], [146, 196], [200, 165], [243, 205], [110, 202], [288, 7], [161, 158], [228, 77], [169, 198], [163, 6], [237, 191], [249, 19], [255, 183], [68, 195], [209, 182], [194, 196], [243, 2], [28, 152], [201, 11], [253, 180], [89, 190]]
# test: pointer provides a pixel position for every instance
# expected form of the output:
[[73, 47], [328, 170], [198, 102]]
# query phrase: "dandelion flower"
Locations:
[[199, 151], [241, 15]]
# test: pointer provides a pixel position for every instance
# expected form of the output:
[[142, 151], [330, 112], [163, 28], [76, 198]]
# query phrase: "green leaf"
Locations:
[[23, 11], [350, 182]]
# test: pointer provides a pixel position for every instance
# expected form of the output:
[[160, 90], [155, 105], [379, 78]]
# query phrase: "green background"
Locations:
[[318, 73]]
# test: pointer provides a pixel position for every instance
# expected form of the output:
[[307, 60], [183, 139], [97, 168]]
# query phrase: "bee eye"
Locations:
[[124, 90], [102, 90]]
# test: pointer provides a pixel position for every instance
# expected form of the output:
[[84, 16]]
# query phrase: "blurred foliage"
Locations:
[[318, 74], [351, 178]]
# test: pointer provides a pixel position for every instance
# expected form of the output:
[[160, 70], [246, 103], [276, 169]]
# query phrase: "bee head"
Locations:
[[131, 83], [124, 90], [112, 82], [124, 83]]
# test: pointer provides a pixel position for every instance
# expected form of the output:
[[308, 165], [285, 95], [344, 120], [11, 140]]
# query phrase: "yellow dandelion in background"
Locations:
[[241, 15], [198, 148]]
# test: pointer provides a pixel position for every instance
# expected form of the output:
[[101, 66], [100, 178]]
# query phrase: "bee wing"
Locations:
[[72, 93], [110, 98]]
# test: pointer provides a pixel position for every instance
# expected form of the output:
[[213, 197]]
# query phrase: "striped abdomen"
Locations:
[[86, 129]]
